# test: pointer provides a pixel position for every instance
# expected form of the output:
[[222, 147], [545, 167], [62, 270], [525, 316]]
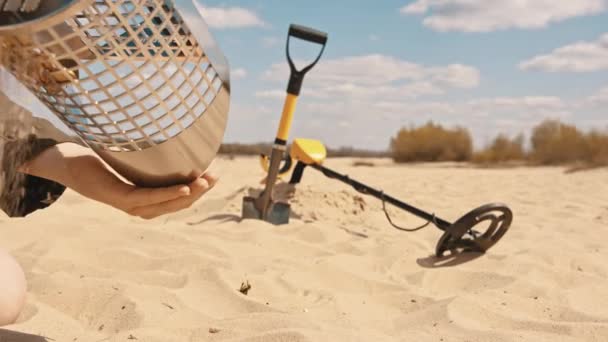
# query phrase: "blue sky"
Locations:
[[492, 66]]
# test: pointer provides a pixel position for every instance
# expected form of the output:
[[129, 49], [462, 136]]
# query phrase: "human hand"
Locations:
[[83, 171], [149, 203]]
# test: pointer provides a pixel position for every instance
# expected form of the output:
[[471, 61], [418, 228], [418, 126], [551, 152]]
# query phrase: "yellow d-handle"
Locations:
[[287, 117]]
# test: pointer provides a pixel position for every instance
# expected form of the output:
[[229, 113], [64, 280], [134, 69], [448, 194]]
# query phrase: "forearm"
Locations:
[[79, 169]]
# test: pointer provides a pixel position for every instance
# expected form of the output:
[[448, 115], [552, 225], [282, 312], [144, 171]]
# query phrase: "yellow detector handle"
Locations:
[[308, 151], [285, 168]]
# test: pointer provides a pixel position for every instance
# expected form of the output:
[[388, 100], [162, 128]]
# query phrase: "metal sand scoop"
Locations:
[[142, 82], [263, 207]]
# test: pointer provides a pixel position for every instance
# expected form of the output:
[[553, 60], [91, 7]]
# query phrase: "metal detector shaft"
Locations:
[[362, 188]]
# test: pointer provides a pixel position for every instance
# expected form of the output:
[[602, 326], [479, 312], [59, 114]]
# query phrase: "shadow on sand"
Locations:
[[219, 217], [15, 336], [451, 260]]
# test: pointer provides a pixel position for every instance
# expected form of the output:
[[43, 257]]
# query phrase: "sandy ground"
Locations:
[[337, 272]]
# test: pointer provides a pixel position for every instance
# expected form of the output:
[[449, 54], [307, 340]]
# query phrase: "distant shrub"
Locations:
[[356, 153], [502, 150], [554, 142], [551, 143], [597, 148], [431, 142], [232, 149], [363, 163], [236, 149]]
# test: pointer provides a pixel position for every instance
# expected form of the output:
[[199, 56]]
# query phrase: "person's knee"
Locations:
[[13, 284]]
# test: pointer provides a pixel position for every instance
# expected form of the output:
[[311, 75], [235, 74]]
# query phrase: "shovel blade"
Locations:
[[277, 214]]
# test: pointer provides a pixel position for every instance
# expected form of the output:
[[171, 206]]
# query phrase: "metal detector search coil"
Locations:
[[142, 82]]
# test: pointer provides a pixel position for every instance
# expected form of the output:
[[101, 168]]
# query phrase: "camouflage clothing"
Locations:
[[23, 137]]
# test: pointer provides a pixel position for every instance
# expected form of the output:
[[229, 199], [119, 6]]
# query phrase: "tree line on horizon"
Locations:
[[255, 149], [551, 142]]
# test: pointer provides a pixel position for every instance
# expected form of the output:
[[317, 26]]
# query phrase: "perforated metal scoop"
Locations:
[[142, 82], [19, 6]]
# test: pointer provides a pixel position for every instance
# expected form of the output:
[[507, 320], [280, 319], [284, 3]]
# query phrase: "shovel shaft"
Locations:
[[280, 144], [265, 200], [289, 109]]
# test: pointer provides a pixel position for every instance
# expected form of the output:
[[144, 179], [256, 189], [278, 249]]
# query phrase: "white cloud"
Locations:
[[521, 109], [271, 94], [484, 117], [525, 104], [577, 57], [416, 7], [376, 95], [374, 38], [388, 93], [362, 89], [270, 41], [599, 98], [230, 17], [239, 73], [486, 15], [376, 76]]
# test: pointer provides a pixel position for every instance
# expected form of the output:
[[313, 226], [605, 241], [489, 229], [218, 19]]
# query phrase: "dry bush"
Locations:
[[245, 149], [554, 142], [265, 148], [363, 163], [431, 142], [502, 150], [596, 153], [597, 148], [351, 152]]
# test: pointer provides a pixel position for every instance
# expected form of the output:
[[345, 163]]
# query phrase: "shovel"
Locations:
[[264, 207]]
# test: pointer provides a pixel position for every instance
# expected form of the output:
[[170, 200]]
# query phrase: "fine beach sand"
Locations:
[[337, 272]]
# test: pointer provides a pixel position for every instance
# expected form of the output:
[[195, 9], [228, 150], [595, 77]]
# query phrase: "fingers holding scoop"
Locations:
[[177, 198]]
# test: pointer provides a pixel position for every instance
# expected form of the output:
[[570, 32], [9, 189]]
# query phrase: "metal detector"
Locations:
[[459, 236]]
